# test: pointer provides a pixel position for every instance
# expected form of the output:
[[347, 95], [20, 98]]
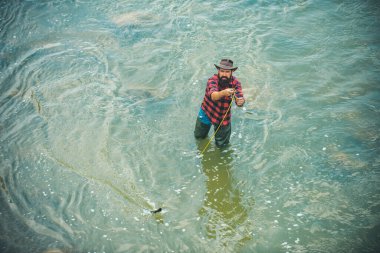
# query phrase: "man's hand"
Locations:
[[228, 92], [217, 95], [239, 101]]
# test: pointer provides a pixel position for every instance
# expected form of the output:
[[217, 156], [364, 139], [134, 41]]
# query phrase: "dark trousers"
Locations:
[[222, 137]]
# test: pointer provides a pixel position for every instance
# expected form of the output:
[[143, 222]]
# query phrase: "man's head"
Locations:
[[225, 69]]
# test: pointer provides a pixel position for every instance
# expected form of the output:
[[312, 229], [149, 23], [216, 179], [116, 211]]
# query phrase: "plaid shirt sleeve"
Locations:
[[237, 86], [212, 86]]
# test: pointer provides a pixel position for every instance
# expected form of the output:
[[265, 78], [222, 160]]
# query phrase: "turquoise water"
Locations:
[[98, 101]]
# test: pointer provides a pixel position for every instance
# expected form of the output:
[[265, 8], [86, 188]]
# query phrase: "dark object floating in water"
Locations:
[[157, 210]]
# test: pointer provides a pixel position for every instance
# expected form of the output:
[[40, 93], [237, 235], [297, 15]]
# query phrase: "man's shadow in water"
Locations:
[[226, 219]]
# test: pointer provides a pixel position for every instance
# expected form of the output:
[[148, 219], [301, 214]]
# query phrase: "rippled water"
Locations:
[[98, 101]]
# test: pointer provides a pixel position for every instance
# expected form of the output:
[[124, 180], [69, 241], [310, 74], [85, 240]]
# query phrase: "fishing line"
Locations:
[[220, 124], [137, 200]]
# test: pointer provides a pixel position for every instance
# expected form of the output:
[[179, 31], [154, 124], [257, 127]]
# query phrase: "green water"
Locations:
[[98, 102]]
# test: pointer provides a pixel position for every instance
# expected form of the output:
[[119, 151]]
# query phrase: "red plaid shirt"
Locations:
[[215, 110]]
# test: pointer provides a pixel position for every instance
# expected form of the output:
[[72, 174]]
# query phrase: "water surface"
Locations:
[[97, 108]]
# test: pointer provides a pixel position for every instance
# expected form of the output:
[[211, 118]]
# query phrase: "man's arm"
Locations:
[[217, 95], [239, 97]]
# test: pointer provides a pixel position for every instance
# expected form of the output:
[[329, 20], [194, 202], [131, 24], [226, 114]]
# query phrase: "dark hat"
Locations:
[[226, 64]]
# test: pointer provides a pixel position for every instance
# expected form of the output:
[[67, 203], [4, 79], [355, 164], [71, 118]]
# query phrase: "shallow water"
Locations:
[[97, 109]]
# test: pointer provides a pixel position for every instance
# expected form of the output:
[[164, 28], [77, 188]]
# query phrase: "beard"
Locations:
[[224, 81]]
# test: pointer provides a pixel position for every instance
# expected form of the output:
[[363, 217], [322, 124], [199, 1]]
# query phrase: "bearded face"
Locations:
[[224, 81], [224, 77]]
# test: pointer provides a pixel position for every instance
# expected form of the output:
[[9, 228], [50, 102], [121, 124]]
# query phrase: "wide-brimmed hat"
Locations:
[[226, 64]]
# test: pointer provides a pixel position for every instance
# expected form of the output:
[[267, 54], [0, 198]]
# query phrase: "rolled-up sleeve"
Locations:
[[212, 86]]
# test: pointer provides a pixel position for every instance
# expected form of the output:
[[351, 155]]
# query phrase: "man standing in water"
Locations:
[[220, 90]]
